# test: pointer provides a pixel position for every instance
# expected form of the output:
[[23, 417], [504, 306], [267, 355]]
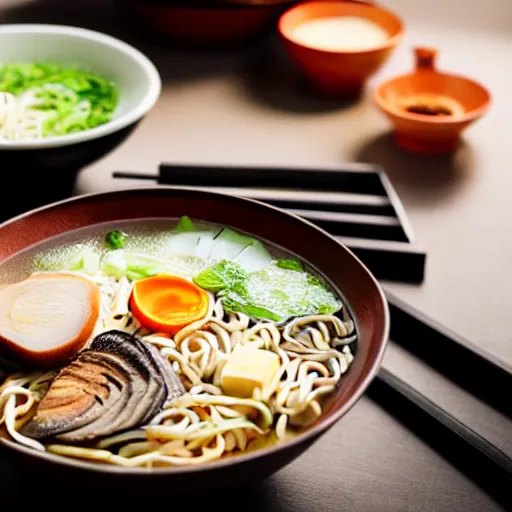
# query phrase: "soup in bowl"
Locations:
[[156, 333]]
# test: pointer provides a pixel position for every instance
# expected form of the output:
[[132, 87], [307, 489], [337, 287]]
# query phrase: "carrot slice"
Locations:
[[168, 303]]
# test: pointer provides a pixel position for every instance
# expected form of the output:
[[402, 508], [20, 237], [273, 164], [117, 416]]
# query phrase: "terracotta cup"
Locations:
[[338, 73], [428, 108]]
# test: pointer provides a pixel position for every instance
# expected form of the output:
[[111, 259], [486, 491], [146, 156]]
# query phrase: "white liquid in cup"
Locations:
[[340, 33]]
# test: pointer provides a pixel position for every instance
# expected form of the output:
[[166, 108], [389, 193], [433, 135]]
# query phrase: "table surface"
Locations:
[[247, 107]]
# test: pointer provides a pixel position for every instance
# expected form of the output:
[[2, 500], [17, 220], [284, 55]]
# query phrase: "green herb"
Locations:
[[185, 225], [115, 240], [313, 280], [221, 276], [290, 264]]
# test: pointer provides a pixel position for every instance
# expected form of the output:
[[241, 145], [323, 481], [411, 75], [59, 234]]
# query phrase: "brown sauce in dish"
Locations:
[[429, 110], [432, 105]]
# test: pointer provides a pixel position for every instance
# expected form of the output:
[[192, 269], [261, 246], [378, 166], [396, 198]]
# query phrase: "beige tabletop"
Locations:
[[246, 107]]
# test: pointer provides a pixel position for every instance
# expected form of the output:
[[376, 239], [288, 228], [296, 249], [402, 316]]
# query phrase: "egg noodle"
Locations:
[[205, 424], [19, 119]]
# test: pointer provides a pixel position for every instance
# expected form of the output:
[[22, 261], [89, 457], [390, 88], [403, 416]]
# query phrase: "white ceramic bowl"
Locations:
[[136, 77], [42, 171]]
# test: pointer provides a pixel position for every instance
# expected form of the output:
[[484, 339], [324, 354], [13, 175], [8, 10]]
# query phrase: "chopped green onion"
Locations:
[[71, 99], [115, 239]]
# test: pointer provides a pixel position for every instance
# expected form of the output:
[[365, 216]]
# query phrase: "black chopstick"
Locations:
[[369, 204], [389, 260], [446, 419], [353, 177], [355, 225]]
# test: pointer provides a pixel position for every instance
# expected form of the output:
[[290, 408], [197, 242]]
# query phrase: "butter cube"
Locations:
[[246, 369]]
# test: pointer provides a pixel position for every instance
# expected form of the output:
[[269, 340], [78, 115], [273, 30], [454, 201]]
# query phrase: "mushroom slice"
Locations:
[[77, 397], [119, 396], [173, 384], [118, 383], [133, 350]]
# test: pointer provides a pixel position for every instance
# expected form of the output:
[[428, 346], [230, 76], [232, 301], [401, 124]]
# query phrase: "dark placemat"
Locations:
[[465, 365]]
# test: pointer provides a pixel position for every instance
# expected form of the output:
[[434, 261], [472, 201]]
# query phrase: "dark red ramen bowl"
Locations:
[[334, 262], [206, 23]]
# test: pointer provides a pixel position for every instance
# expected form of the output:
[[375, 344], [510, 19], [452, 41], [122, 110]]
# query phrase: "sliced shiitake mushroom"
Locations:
[[117, 383]]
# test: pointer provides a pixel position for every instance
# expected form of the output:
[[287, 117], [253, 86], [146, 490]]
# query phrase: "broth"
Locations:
[[169, 380]]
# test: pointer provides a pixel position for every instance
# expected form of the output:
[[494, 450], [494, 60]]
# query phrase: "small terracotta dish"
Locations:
[[429, 108], [338, 64]]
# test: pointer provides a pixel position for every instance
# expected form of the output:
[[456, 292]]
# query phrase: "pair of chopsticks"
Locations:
[[360, 209], [355, 203]]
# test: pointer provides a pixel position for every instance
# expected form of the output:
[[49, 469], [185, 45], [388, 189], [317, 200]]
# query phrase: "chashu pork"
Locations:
[[47, 318]]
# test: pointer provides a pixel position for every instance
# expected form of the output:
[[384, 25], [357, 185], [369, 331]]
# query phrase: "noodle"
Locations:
[[204, 424], [19, 120]]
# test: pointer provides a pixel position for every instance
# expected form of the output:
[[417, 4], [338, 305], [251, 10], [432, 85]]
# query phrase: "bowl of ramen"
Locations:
[[159, 335], [339, 45], [68, 96]]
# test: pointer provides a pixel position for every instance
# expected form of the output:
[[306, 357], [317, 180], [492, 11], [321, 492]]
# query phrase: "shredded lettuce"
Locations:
[[72, 99]]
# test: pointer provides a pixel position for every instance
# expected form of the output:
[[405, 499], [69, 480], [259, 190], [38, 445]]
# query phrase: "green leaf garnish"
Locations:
[[185, 225], [231, 306], [273, 293], [290, 264], [221, 276]]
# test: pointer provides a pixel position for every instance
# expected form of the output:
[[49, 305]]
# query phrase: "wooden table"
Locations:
[[246, 107]]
